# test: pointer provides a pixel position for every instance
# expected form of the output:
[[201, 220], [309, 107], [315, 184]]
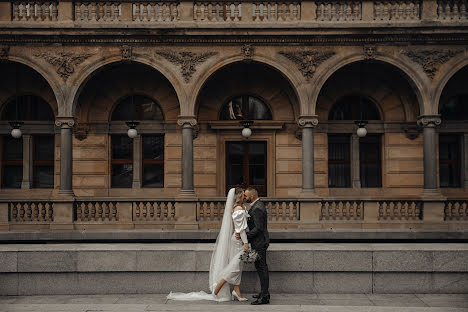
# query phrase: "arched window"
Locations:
[[455, 108], [137, 107], [150, 148], [245, 107], [354, 107], [39, 148], [30, 107]]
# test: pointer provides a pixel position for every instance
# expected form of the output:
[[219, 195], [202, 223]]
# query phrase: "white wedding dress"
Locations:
[[225, 259]]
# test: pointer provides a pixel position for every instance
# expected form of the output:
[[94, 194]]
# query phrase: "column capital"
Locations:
[[187, 121], [429, 121], [308, 121], [65, 122]]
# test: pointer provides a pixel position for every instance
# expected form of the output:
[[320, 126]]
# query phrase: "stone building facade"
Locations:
[[189, 73]]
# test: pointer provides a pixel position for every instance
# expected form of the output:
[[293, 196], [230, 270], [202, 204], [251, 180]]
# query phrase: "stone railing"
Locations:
[[278, 209], [452, 9], [154, 210], [217, 11], [34, 11], [85, 211], [162, 11], [272, 11], [397, 10], [98, 11], [342, 210], [30, 211], [339, 10], [456, 210], [400, 210]]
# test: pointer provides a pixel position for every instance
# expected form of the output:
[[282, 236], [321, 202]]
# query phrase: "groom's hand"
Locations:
[[238, 236]]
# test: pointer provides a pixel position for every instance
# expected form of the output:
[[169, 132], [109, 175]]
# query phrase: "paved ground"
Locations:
[[279, 302]]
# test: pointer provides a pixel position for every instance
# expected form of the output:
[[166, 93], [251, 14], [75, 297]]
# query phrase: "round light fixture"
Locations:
[[246, 132], [361, 131], [16, 131], [132, 132]]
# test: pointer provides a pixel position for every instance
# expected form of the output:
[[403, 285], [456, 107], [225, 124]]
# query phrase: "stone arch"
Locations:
[[294, 81], [49, 79], [89, 71], [413, 77], [453, 68]]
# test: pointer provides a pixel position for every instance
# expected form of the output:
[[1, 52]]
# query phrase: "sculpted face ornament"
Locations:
[[247, 50], [369, 52]]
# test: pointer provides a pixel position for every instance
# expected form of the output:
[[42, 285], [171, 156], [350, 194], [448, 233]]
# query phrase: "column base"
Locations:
[[308, 194], [432, 194], [187, 194], [66, 193]]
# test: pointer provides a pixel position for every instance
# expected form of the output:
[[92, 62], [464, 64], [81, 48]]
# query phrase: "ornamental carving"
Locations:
[[308, 121], [307, 61], [369, 52], [190, 121], [65, 122], [247, 50], [64, 62], [127, 52], [429, 121], [4, 52], [431, 60], [187, 61]]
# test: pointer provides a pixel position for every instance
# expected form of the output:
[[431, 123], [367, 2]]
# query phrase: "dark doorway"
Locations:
[[246, 165]]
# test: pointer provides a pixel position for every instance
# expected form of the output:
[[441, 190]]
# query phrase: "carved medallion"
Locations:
[[4, 52], [187, 61], [430, 60], [127, 52], [247, 50], [308, 61], [369, 52], [64, 62]]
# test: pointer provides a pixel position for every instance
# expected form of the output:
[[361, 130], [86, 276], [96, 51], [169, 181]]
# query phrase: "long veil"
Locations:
[[219, 260]]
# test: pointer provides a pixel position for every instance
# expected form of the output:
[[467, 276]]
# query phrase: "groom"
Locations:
[[259, 240]]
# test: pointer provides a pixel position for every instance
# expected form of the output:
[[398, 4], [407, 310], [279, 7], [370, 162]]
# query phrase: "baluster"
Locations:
[[47, 13], [236, 12], [161, 12], [447, 10], [377, 11], [93, 12], [463, 10], [341, 11]]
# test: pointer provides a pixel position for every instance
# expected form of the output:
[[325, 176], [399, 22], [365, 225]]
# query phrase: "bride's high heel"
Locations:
[[235, 295]]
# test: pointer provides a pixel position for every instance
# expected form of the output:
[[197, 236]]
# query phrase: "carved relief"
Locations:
[[429, 121], [64, 62], [370, 52], [81, 132], [247, 50], [187, 61], [127, 52], [4, 52], [430, 60], [307, 61], [65, 122]]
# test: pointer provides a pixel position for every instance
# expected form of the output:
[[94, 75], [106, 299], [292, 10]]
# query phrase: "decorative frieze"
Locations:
[[308, 61], [187, 61], [430, 60], [64, 62]]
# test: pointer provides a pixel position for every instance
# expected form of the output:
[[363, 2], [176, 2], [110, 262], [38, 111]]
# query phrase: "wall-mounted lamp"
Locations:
[[132, 132], [16, 131], [246, 132], [361, 131]]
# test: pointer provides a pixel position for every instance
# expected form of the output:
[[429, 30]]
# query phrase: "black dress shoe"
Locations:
[[259, 295], [263, 300]]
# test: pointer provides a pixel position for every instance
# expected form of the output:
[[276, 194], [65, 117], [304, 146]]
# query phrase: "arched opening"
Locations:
[[119, 93], [453, 133], [25, 96], [247, 91], [379, 94]]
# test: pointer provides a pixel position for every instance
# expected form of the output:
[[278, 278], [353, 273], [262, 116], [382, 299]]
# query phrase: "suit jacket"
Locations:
[[258, 232]]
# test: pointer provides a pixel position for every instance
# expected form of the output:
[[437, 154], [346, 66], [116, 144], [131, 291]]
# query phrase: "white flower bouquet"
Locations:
[[249, 256]]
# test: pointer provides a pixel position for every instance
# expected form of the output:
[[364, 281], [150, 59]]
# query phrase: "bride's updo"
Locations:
[[238, 197]]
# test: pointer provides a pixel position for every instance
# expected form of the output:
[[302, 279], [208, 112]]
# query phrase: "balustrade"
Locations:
[[96, 211], [98, 11], [30, 211], [400, 210], [456, 210], [339, 10], [271, 11], [155, 11], [35, 11], [154, 210], [452, 10], [342, 210], [217, 11], [397, 10]]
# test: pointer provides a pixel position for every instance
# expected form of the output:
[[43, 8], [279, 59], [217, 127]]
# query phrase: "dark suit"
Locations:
[[259, 239]]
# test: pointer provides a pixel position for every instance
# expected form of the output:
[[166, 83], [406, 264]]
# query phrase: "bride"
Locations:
[[225, 266]]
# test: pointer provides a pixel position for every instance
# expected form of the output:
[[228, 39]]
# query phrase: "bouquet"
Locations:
[[249, 256]]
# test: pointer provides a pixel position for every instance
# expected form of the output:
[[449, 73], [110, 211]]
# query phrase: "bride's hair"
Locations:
[[238, 196]]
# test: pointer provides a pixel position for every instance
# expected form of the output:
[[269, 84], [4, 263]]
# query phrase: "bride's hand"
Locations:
[[246, 246]]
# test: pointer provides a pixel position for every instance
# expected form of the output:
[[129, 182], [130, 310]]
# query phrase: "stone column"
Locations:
[[307, 123], [355, 164], [187, 123], [137, 162], [27, 161], [66, 158], [465, 160], [429, 124]]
